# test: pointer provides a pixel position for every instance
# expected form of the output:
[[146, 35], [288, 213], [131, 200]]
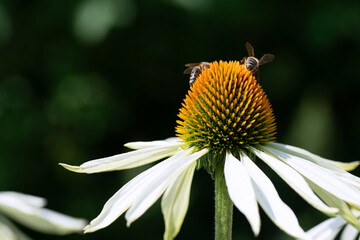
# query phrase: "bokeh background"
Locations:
[[78, 79]]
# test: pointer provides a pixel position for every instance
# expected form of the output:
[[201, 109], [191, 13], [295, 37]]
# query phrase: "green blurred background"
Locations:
[[78, 79]]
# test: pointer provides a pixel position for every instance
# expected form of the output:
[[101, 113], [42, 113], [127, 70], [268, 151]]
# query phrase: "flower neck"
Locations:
[[223, 207]]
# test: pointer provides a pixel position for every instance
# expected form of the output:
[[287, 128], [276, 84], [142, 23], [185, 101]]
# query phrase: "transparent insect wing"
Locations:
[[188, 70], [190, 67], [250, 50], [266, 58]]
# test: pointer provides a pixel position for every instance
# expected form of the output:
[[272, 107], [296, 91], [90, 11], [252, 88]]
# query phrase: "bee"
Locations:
[[195, 69], [252, 63]]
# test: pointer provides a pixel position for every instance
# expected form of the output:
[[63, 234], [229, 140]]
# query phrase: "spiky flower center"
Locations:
[[226, 110]]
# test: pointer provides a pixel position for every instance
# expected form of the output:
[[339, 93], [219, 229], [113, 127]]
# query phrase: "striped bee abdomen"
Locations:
[[251, 63]]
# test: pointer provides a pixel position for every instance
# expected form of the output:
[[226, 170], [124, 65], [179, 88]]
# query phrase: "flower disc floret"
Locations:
[[226, 110]]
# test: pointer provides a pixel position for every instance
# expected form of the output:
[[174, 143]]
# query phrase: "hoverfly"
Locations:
[[252, 63], [195, 69]]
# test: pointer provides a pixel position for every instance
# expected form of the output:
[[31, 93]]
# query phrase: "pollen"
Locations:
[[226, 110]]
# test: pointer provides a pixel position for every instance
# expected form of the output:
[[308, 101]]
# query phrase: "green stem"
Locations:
[[223, 207]]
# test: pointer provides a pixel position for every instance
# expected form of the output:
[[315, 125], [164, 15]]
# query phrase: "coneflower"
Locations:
[[226, 122]]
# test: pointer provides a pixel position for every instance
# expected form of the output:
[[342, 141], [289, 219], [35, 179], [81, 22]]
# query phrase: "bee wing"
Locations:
[[189, 65], [250, 49], [266, 58], [188, 70]]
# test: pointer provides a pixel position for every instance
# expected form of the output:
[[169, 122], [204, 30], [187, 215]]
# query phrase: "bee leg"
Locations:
[[257, 76], [255, 72], [243, 60]]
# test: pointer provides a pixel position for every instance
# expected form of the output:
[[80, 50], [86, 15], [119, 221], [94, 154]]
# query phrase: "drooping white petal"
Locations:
[[126, 160], [26, 198], [331, 200], [153, 189], [140, 144], [8, 231], [39, 219], [124, 197], [302, 153], [295, 181], [319, 175], [349, 233], [175, 202], [327, 230], [352, 180], [347, 166], [270, 201], [241, 190], [334, 166], [132, 191]]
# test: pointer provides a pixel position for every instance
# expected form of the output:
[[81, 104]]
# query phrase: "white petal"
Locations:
[[321, 176], [270, 201], [355, 212], [335, 166], [132, 191], [331, 200], [326, 230], [241, 191], [175, 202], [40, 219], [126, 160], [144, 201], [28, 199], [8, 231], [302, 153], [353, 180], [123, 198], [347, 166], [294, 179], [349, 233], [153, 189], [140, 145]]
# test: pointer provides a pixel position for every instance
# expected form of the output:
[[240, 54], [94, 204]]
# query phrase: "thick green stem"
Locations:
[[223, 207]]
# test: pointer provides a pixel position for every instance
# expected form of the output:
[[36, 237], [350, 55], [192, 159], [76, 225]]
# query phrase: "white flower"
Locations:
[[330, 228], [314, 178], [226, 120], [29, 211]]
